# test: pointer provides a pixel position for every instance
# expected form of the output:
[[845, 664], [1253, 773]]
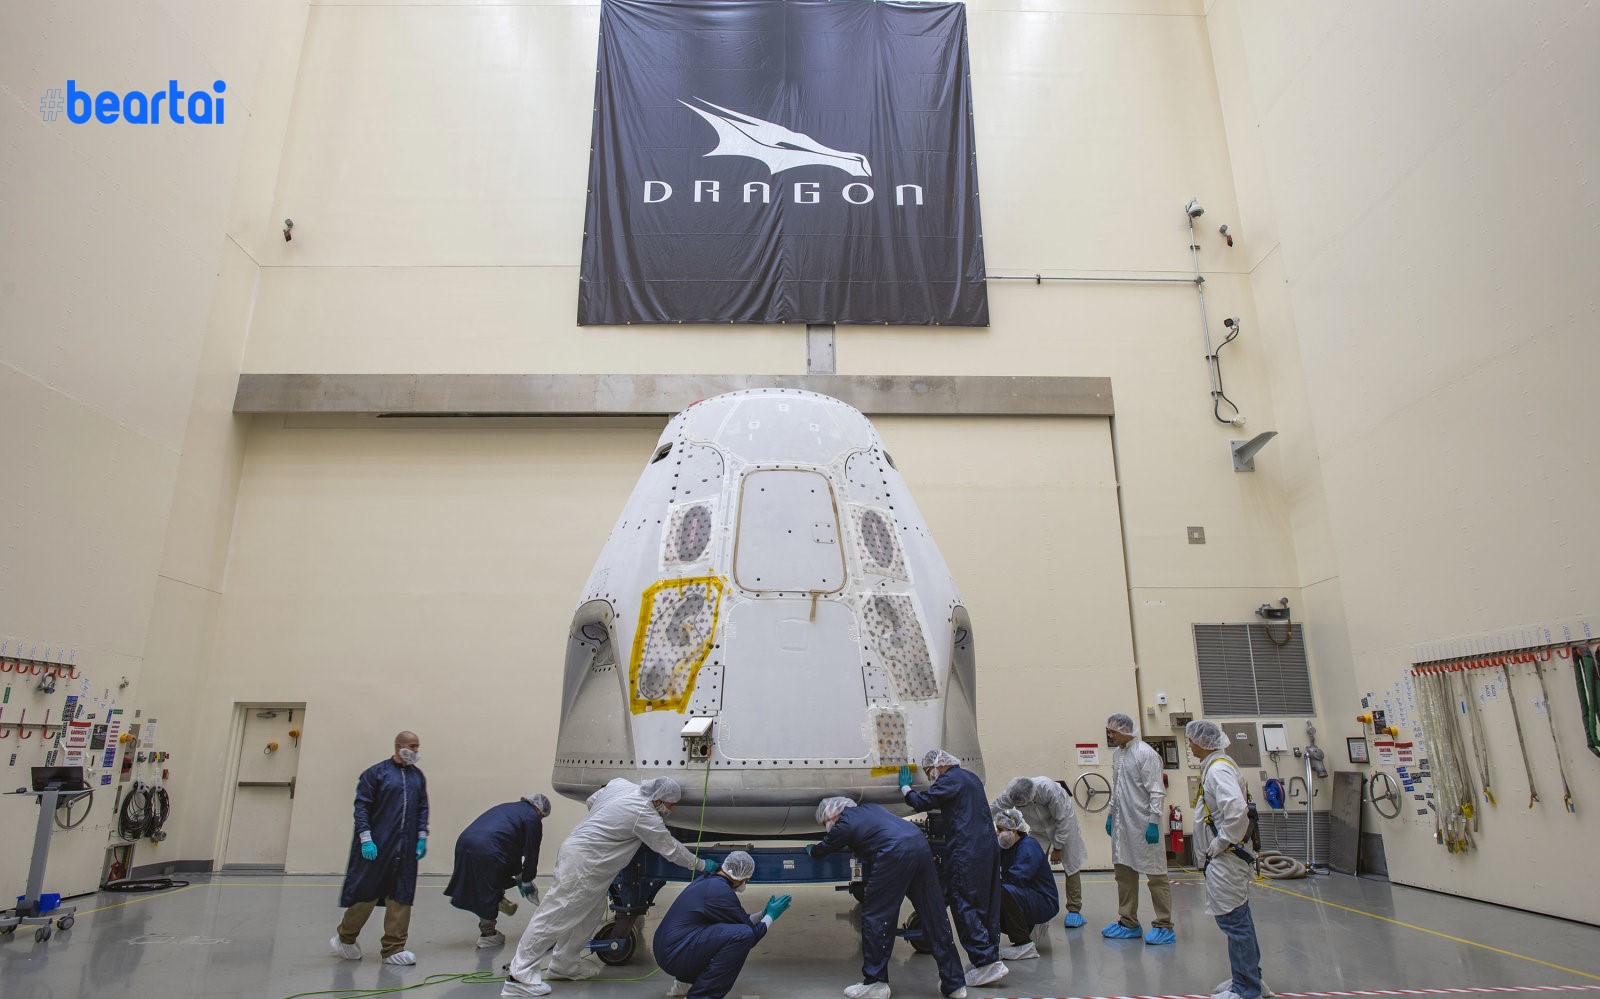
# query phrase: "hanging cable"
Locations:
[[1522, 741], [1550, 716], [1480, 742]]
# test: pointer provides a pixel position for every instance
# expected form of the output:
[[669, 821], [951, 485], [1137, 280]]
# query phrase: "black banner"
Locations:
[[768, 161]]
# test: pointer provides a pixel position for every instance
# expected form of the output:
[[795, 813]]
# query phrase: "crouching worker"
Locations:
[[896, 852], [1028, 895], [499, 849], [706, 935]]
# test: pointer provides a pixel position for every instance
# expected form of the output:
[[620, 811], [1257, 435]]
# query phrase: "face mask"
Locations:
[[828, 825], [409, 756], [740, 886], [1008, 839], [663, 808]]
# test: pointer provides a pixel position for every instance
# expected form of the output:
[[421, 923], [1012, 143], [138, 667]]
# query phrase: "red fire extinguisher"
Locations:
[[1175, 820]]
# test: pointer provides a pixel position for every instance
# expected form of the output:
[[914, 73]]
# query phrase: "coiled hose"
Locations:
[[1279, 866]]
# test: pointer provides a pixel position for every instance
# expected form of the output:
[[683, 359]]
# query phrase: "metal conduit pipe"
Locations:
[[1039, 278]]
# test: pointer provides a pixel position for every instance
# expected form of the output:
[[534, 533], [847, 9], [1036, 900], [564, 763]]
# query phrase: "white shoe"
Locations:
[[1026, 952], [583, 972], [960, 993], [868, 990], [350, 952], [680, 988], [1267, 993], [405, 958], [496, 939], [987, 975], [514, 989], [1226, 985]]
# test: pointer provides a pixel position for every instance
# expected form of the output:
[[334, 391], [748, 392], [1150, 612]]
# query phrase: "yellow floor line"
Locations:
[[147, 898], [1436, 933]]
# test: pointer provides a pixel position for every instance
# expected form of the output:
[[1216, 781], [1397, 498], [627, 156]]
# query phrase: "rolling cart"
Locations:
[[54, 787]]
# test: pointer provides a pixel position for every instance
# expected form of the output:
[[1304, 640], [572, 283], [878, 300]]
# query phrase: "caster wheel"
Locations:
[[8, 931], [622, 952], [65, 922], [41, 934], [914, 935]]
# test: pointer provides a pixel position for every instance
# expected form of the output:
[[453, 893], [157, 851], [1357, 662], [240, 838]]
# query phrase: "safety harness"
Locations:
[[1200, 802], [1585, 671]]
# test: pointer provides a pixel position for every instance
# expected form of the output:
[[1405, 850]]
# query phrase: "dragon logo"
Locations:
[[778, 147]]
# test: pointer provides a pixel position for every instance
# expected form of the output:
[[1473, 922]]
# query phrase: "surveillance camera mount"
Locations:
[[1244, 452]]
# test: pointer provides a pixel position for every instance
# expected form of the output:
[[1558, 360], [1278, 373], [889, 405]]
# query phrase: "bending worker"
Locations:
[[896, 852], [1222, 824], [622, 815], [1047, 808], [391, 835], [705, 937], [1137, 801], [970, 870], [1028, 888], [499, 849]]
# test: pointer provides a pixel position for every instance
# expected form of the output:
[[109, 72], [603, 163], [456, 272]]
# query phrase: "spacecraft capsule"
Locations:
[[769, 623]]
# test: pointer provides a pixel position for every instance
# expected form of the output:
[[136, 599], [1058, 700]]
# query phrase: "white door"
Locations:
[[263, 796]]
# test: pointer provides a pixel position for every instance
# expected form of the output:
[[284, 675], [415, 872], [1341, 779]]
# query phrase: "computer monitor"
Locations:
[[58, 779]]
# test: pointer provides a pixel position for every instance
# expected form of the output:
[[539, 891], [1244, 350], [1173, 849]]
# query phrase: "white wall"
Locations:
[[1415, 189], [434, 158]]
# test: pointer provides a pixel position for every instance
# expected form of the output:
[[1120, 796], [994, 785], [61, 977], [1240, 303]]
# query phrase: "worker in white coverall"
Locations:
[[1221, 828], [1047, 808], [622, 815], [1138, 798]]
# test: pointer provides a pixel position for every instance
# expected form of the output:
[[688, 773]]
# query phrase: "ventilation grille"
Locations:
[[1244, 672]]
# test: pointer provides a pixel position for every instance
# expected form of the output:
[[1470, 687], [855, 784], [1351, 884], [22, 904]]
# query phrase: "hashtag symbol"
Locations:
[[51, 104]]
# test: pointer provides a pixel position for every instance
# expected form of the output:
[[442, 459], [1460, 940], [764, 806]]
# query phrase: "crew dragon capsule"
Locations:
[[769, 622]]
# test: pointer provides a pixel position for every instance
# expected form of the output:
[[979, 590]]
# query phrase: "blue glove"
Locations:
[[369, 850], [422, 847], [905, 777], [1108, 825], [709, 866], [777, 905], [529, 891], [1152, 834], [809, 848]]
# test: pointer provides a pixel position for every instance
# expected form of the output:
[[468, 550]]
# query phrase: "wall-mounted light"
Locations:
[[288, 230], [1226, 235]]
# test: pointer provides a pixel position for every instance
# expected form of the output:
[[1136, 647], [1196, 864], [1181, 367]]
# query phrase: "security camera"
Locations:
[[1231, 322], [1194, 209]]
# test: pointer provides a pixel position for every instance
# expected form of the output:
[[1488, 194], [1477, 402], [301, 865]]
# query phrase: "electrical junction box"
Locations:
[[1273, 738], [1246, 743]]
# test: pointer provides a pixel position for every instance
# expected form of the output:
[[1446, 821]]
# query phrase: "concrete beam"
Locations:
[[660, 395]]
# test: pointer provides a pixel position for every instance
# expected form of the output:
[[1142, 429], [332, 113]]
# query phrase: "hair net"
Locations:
[[1010, 818], [739, 866], [831, 808], [1123, 724], [1020, 791], [540, 802], [938, 758], [1208, 735], [662, 789]]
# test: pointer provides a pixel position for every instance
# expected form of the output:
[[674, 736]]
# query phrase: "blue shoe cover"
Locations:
[[1072, 920], [1160, 935], [1116, 931]]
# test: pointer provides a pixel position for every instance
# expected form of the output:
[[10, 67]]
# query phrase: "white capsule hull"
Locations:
[[769, 572]]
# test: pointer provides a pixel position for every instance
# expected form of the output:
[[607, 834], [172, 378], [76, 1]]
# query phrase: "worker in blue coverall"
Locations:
[[1029, 895], [704, 938], [896, 852], [499, 849], [970, 868], [391, 835]]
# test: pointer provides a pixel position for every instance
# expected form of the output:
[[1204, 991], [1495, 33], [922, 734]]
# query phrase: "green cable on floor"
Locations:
[[458, 978]]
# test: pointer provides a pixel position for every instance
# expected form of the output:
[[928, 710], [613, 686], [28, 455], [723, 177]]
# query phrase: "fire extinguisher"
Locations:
[[1175, 821]]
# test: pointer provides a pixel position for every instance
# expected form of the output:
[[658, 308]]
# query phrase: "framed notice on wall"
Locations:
[[1355, 747]]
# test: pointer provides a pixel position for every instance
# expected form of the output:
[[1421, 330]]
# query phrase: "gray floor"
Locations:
[[268, 937]]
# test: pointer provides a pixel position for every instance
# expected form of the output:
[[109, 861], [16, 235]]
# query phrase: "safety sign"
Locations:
[[1088, 754]]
